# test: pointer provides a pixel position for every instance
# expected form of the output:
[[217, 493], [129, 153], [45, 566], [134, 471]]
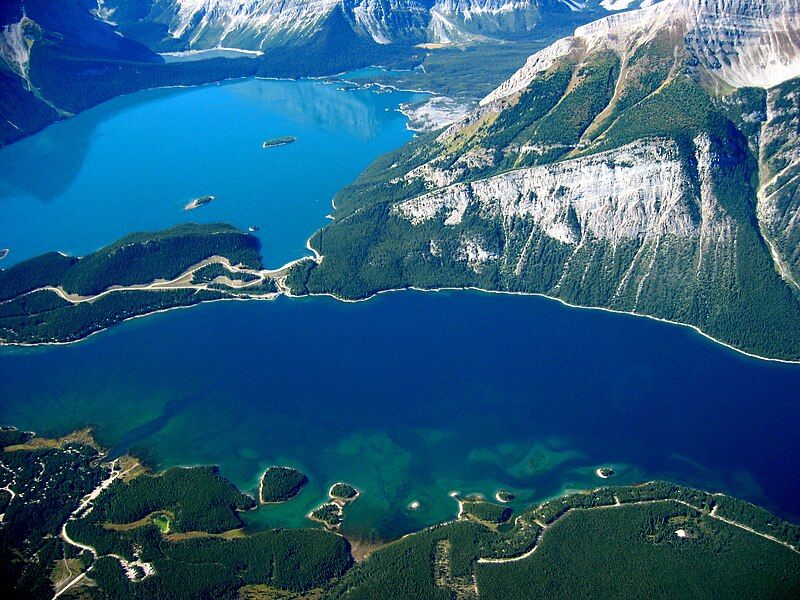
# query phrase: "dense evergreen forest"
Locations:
[[279, 484]]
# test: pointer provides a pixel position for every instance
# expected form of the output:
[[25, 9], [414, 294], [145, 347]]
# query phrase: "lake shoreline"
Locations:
[[285, 292]]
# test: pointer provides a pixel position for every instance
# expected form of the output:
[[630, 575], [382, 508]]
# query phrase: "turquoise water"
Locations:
[[132, 164], [407, 396]]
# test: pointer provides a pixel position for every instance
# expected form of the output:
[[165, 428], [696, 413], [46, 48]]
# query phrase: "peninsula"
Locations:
[[55, 298]]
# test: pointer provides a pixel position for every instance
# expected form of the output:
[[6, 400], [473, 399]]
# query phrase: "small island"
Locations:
[[198, 202], [504, 496], [3, 253], [279, 484], [343, 492], [605, 472], [331, 513], [281, 141]]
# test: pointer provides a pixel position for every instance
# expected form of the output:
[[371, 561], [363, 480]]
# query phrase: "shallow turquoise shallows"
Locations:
[[132, 164], [408, 396]]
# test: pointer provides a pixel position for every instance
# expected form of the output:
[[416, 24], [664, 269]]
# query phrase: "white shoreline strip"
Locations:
[[562, 301]]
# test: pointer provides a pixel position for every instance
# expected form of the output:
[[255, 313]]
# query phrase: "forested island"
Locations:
[[331, 513], [56, 298], [102, 528], [279, 484]]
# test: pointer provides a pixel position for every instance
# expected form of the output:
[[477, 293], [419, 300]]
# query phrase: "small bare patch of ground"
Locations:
[[361, 548], [82, 436], [189, 535], [463, 588]]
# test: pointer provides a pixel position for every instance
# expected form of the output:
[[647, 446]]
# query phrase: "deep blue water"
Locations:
[[411, 395], [407, 396]]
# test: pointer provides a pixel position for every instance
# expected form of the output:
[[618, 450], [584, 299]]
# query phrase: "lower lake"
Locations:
[[407, 396]]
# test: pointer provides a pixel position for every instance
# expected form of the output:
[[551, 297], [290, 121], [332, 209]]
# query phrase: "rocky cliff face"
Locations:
[[779, 193], [629, 193], [485, 17]]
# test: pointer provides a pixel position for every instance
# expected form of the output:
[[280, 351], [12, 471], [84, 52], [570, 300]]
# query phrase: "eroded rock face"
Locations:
[[15, 45], [628, 193], [455, 20], [252, 24], [779, 194], [257, 24]]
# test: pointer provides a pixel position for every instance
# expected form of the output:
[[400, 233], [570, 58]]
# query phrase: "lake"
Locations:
[[407, 396], [133, 163]]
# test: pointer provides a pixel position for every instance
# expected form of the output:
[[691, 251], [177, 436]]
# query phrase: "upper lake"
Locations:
[[132, 164], [407, 396]]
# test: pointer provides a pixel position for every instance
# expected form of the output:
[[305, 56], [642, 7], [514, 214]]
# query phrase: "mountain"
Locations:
[[649, 164], [262, 24], [62, 56], [32, 31]]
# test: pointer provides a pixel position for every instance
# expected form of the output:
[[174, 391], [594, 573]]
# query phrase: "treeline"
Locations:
[[627, 551], [757, 518], [199, 497], [486, 512], [77, 321], [45, 270], [33, 303], [198, 500], [137, 258], [144, 257]]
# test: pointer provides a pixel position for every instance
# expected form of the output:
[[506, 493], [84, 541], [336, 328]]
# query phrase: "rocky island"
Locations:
[[604, 472], [281, 141], [198, 202]]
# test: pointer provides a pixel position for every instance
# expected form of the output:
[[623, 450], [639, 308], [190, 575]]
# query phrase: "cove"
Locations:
[[131, 164], [411, 395]]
